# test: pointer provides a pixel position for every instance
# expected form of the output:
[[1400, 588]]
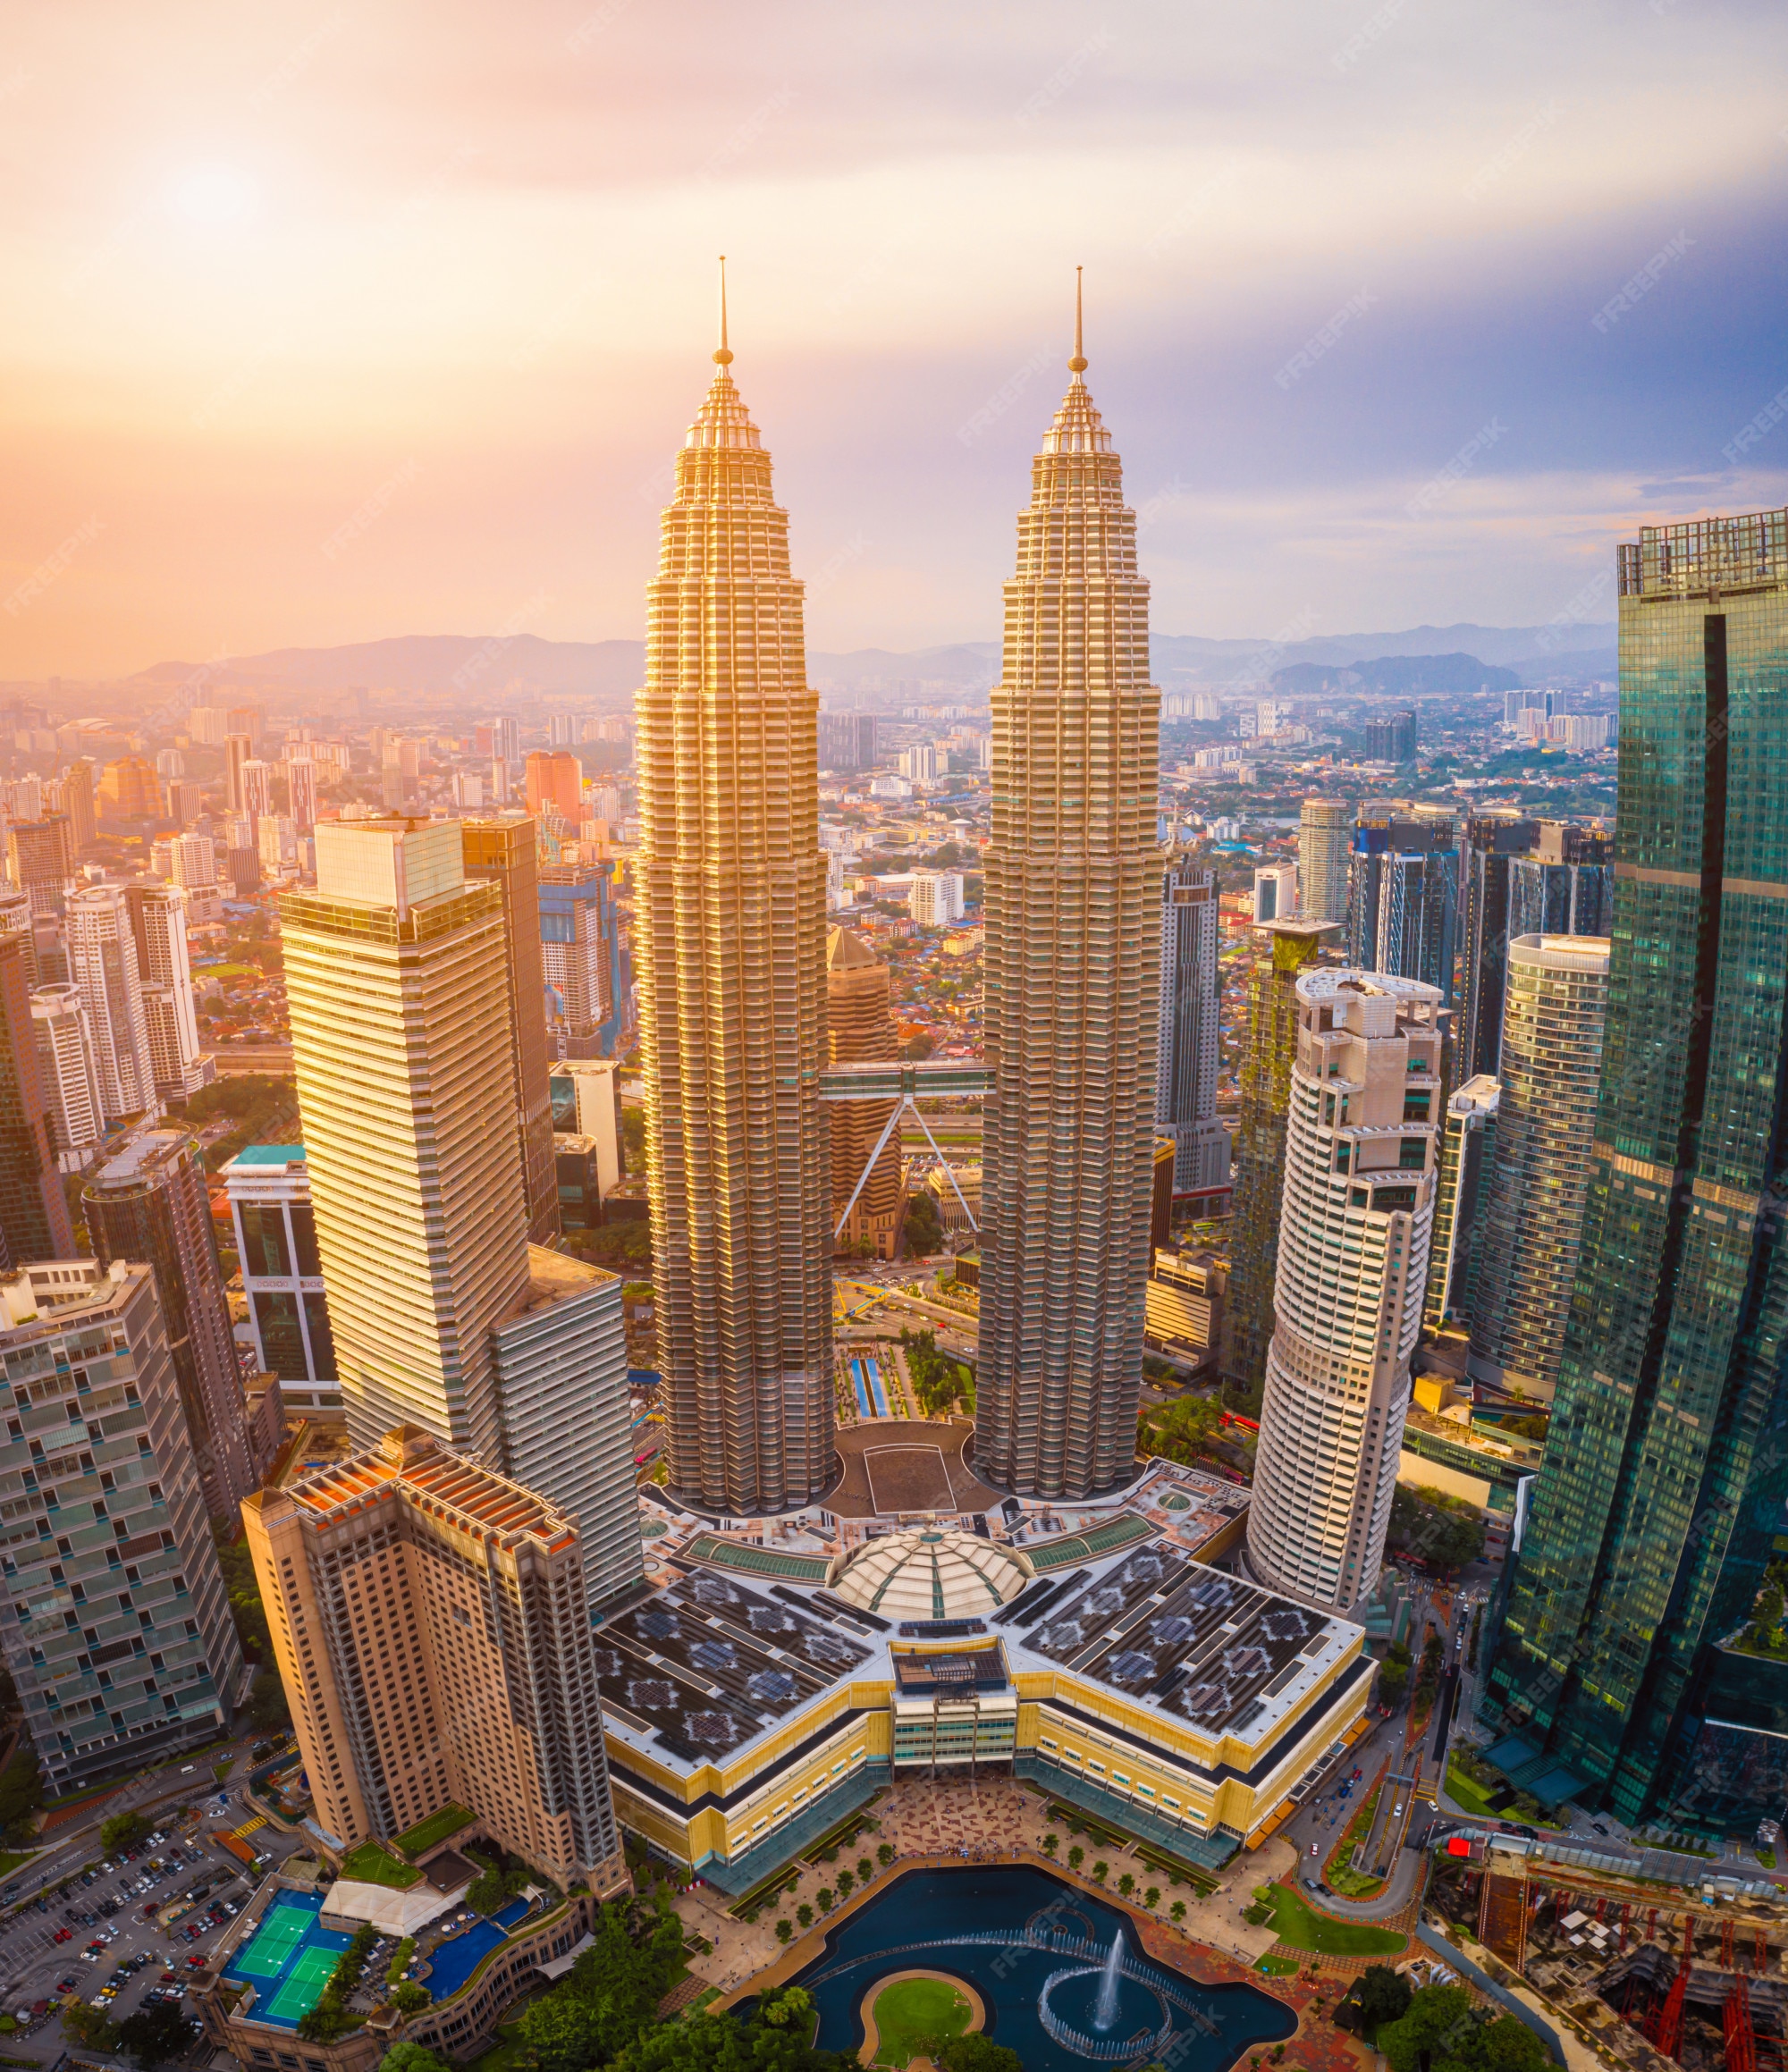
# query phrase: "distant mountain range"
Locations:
[[472, 669], [1398, 676]]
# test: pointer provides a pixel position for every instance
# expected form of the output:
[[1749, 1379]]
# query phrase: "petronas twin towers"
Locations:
[[730, 928]]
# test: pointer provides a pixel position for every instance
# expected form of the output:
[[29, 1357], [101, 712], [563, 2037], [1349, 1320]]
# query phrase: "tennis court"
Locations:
[[289, 1960], [303, 1985], [281, 1933]]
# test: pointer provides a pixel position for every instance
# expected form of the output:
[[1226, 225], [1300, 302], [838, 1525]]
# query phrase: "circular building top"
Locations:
[[932, 1574]]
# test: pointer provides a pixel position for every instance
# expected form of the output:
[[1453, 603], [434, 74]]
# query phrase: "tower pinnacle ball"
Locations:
[[723, 357], [1076, 367]]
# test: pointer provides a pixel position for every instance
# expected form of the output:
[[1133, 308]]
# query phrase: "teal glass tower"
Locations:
[[1630, 1648]]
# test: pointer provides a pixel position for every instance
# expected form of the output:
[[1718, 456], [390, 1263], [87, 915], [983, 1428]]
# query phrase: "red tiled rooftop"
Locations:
[[486, 1502]]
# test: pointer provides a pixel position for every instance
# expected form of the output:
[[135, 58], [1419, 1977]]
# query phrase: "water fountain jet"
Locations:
[[1105, 2007]]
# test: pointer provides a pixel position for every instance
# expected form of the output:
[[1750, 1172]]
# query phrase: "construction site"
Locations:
[[1649, 1974]]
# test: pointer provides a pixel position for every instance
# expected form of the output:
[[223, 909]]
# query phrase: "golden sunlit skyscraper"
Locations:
[[730, 928], [398, 980], [1073, 964]]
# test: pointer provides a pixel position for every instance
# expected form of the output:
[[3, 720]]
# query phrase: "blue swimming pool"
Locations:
[[865, 1380], [1032, 1946], [455, 1960]]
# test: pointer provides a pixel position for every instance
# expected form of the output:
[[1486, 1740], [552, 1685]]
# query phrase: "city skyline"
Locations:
[[428, 447], [720, 1197]]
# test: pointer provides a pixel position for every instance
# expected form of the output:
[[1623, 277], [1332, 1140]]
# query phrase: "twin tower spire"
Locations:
[[730, 924]]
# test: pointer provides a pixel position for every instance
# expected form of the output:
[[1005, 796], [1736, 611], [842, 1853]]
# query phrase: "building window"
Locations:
[[265, 1254], [281, 1340], [322, 1344], [304, 1237]]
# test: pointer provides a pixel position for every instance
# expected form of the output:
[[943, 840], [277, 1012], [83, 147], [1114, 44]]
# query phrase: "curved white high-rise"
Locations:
[[1355, 1219]]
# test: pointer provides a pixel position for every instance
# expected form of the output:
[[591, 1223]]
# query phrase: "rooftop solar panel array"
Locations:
[[709, 1664], [1195, 1641]]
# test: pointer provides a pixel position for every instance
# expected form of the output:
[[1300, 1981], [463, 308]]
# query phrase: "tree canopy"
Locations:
[[774, 2040], [124, 1831], [610, 1995], [1442, 2032], [154, 2034], [1381, 1995]]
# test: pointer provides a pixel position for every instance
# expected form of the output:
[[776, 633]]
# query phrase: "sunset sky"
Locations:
[[327, 323]]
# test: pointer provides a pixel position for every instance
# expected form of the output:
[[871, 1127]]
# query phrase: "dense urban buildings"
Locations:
[[429, 1620], [847, 741], [1186, 1050], [148, 1202], [34, 1220], [1402, 893], [118, 1635], [584, 960], [275, 1229], [567, 1418], [1651, 1528], [1072, 982], [177, 1065], [1352, 1270], [860, 1030], [1456, 1254], [1391, 740], [40, 861], [554, 783], [503, 852], [1270, 1049], [398, 974], [102, 960], [1276, 892], [731, 906], [1521, 877], [1531, 1217], [71, 1082], [1324, 840]]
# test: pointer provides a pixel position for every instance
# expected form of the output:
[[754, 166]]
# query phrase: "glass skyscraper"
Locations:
[[1630, 1648], [1402, 893]]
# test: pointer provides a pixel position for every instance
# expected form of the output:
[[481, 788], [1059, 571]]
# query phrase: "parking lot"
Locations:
[[128, 1930]]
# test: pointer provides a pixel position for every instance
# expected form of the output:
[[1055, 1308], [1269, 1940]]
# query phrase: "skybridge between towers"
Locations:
[[905, 1082]]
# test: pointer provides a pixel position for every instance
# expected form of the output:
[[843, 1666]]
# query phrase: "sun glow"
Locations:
[[215, 195]]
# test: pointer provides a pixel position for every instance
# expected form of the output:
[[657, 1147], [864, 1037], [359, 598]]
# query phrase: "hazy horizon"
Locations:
[[323, 324]]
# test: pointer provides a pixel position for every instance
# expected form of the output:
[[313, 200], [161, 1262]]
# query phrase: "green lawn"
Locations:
[[10, 1860], [1463, 1791], [369, 1865], [915, 2007], [1277, 1966], [428, 1833], [1304, 1929]]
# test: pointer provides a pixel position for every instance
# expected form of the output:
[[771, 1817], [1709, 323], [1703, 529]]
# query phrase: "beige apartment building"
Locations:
[[430, 1623]]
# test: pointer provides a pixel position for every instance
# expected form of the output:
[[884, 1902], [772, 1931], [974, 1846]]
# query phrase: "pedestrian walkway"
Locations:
[[249, 1826]]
